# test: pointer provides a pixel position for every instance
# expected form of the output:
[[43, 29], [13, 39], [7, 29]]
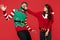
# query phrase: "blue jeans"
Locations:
[[43, 37], [24, 35]]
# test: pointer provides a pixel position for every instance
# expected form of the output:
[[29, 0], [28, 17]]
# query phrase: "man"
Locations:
[[19, 16]]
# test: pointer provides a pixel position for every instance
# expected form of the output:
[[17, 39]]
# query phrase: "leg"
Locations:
[[42, 35], [26, 32], [49, 36], [21, 35]]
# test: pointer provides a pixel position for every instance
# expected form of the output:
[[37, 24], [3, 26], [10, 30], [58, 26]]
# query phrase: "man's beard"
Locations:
[[24, 9]]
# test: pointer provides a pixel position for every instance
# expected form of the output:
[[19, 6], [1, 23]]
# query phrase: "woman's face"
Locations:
[[45, 9]]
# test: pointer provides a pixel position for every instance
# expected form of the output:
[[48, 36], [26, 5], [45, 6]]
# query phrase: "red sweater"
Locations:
[[43, 23]]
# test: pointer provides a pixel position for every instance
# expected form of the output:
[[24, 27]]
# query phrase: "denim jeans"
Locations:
[[43, 37]]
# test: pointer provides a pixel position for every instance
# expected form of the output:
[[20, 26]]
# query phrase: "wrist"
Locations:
[[47, 30]]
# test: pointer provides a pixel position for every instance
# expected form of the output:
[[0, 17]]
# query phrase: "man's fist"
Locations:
[[2, 7], [34, 31]]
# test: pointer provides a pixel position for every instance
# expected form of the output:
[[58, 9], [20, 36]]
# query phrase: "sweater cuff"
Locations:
[[4, 12]]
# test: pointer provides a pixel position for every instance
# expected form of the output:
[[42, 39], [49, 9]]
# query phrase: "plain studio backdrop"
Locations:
[[7, 28]]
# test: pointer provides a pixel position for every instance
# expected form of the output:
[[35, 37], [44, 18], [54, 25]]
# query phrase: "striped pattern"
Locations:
[[28, 26], [8, 17]]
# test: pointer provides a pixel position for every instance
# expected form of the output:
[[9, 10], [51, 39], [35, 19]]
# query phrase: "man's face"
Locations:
[[24, 6]]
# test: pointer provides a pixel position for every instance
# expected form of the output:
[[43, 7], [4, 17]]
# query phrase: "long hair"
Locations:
[[49, 11]]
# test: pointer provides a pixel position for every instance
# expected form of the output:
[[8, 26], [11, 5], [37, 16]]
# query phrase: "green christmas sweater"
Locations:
[[19, 18]]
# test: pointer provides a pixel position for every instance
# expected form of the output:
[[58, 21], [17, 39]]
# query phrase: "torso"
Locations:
[[19, 16], [43, 21]]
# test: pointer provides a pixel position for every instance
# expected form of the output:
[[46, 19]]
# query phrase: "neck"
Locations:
[[23, 11]]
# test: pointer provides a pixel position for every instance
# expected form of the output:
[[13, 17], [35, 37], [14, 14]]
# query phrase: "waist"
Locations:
[[19, 28], [21, 21], [43, 29]]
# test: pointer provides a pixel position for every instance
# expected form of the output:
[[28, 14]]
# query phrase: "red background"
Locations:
[[7, 29]]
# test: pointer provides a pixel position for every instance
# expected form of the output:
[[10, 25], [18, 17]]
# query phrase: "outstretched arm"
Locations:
[[10, 16], [3, 8], [30, 12]]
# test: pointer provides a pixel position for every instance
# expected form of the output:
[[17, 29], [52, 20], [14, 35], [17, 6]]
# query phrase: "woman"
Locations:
[[45, 19]]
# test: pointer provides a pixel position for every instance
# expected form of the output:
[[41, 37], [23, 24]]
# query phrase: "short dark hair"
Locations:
[[25, 3]]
